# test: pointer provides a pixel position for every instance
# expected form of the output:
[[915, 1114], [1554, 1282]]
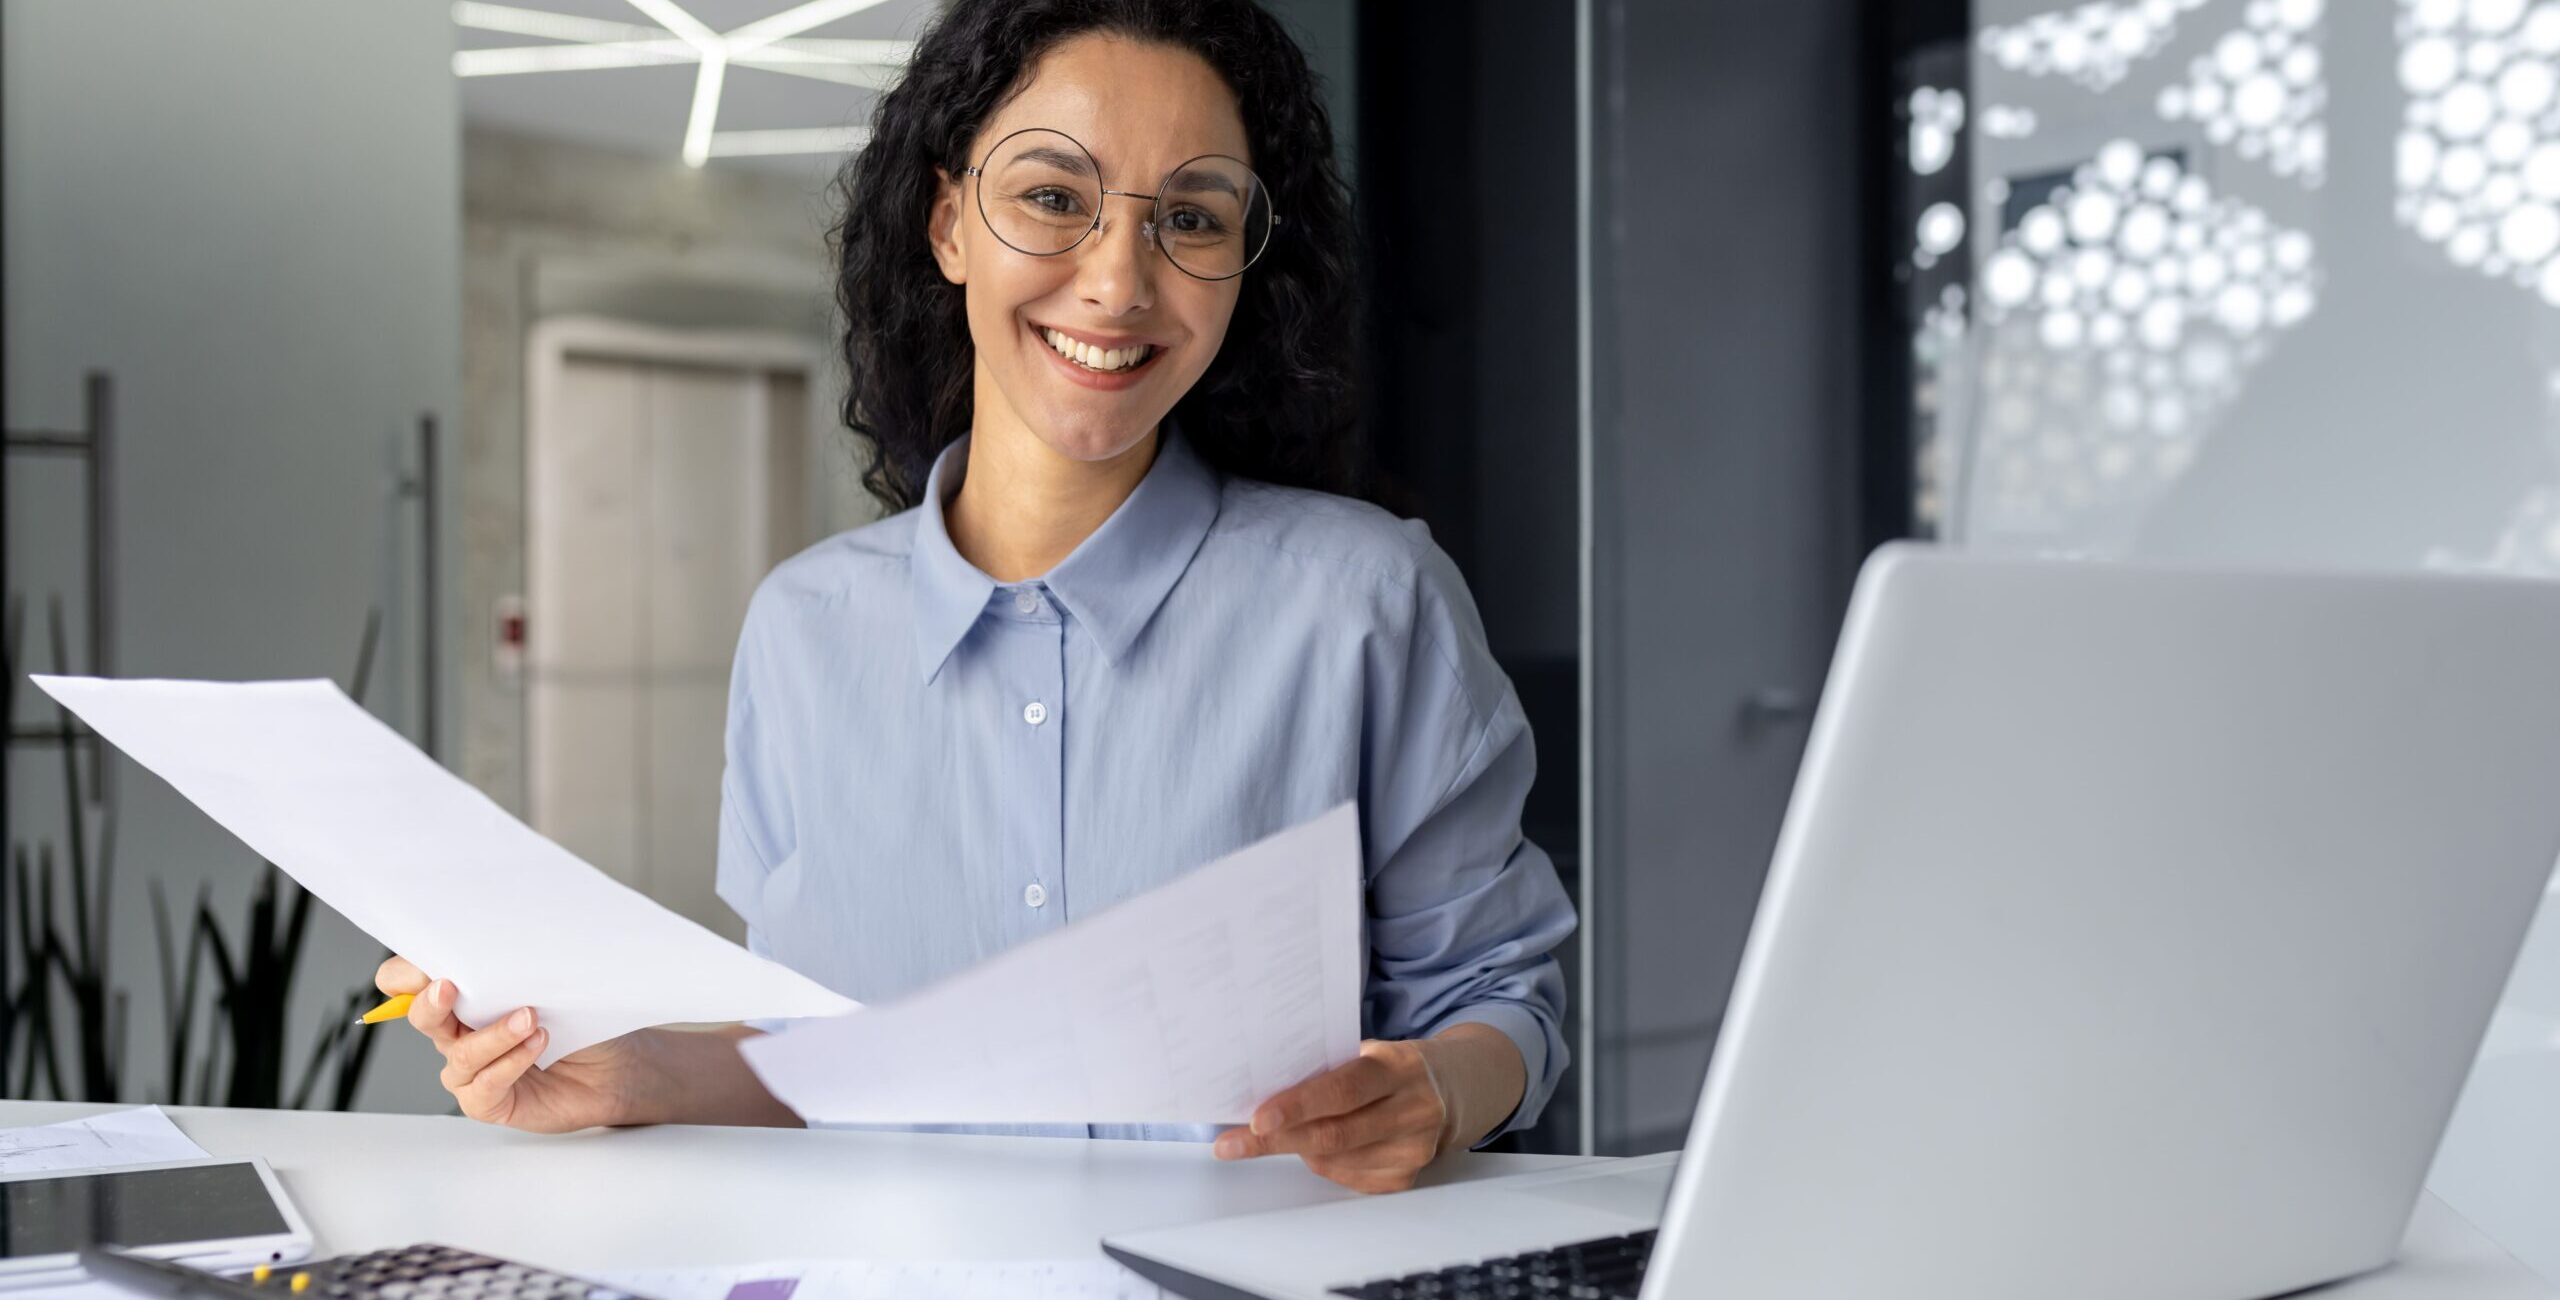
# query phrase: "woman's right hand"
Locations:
[[490, 1070]]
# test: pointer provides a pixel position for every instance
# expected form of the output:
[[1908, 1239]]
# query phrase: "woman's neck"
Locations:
[[1022, 507]]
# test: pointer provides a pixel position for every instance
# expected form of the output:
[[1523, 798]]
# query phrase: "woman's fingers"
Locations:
[[1354, 1084], [1394, 1175], [431, 1013], [484, 1097], [1333, 1135], [467, 1055], [398, 975], [1396, 1120]]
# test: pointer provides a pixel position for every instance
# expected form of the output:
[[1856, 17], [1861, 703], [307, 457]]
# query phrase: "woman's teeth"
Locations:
[[1094, 358]]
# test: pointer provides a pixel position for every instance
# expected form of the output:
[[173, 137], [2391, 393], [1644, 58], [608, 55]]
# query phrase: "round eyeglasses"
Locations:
[[1041, 193]]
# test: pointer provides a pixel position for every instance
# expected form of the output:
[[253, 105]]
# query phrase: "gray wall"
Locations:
[[259, 238], [1329, 31], [1725, 376]]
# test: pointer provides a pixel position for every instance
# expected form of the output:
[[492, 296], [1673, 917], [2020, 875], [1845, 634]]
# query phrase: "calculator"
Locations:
[[422, 1272]]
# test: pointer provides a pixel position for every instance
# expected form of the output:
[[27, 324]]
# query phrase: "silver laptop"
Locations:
[[2130, 934]]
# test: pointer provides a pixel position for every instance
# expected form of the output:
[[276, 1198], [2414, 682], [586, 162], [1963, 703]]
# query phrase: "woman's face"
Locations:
[[1140, 110]]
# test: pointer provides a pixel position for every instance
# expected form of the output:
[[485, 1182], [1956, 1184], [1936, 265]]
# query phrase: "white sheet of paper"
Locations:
[[854, 1279], [71, 1286], [140, 1136], [1190, 1003], [417, 858]]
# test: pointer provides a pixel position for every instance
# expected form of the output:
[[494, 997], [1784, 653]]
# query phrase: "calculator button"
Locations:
[[397, 1290]]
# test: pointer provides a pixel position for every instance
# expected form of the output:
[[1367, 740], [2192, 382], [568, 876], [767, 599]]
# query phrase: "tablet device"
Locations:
[[214, 1214]]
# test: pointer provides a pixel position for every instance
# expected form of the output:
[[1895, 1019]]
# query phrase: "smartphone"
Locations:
[[214, 1214]]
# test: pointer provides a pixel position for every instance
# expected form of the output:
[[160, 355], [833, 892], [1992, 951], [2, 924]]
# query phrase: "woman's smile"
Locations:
[[1105, 364]]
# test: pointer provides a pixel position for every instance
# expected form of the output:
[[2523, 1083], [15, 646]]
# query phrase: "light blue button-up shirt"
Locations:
[[926, 767]]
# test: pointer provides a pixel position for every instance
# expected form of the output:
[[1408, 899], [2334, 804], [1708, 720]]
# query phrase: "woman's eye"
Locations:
[[1055, 201], [1191, 221]]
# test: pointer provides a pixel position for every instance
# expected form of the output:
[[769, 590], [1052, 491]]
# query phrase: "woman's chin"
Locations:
[[1093, 441]]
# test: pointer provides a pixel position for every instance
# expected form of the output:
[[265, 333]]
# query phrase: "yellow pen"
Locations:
[[394, 1009]]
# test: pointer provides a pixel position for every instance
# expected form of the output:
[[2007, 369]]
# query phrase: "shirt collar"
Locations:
[[1111, 584]]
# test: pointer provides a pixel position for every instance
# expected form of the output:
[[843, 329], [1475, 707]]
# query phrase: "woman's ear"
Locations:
[[942, 229]]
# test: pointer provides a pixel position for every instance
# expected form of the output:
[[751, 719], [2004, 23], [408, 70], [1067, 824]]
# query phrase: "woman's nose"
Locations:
[[1116, 273]]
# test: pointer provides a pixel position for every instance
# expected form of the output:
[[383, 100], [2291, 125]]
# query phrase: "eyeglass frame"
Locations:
[[1146, 229]]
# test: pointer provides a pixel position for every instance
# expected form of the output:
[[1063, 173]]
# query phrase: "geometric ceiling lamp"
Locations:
[[773, 43]]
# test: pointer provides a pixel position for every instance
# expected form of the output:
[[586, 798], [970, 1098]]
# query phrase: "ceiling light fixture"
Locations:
[[514, 60], [789, 140], [706, 109], [514, 21], [793, 21], [772, 43]]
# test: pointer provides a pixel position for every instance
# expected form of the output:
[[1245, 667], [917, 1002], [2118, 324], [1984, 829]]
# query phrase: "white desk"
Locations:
[[636, 1198]]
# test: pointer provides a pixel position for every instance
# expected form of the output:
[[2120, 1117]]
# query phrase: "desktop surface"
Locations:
[[672, 1196], [679, 1195]]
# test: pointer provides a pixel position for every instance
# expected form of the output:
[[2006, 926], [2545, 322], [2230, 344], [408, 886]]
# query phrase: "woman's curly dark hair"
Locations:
[[1277, 404]]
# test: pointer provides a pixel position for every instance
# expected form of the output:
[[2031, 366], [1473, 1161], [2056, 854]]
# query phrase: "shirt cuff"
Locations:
[[763, 947], [1528, 1033]]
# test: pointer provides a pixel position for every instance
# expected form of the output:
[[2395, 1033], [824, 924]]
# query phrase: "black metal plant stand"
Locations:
[[82, 961]]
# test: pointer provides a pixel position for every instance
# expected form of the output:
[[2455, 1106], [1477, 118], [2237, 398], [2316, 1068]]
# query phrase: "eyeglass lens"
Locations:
[[1040, 191]]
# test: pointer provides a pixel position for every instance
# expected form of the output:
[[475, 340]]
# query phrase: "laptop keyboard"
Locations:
[[1611, 1268]]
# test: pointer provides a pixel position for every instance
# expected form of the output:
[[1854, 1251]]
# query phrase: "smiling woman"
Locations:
[[1129, 617], [1278, 406]]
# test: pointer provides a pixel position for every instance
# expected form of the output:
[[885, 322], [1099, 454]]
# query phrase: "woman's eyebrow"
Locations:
[[1068, 159], [1195, 181]]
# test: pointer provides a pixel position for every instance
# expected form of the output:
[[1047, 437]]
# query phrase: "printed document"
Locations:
[[1190, 1003], [140, 1136], [854, 1279]]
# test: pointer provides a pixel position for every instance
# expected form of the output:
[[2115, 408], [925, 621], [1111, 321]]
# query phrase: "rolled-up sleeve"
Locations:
[[1464, 911]]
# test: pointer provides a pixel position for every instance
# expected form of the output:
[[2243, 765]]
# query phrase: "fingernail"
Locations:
[[1263, 1122], [1229, 1146], [522, 1020], [442, 993]]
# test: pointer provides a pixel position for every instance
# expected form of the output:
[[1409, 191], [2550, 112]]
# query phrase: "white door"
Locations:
[[657, 495]]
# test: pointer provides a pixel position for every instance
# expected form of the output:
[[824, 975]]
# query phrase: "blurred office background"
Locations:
[[479, 355]]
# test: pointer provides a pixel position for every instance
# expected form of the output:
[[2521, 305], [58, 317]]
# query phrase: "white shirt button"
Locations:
[[1035, 713], [1027, 601], [1033, 895]]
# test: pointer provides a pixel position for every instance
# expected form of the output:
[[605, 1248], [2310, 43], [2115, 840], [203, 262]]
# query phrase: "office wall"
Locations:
[[1466, 203], [553, 228], [1726, 373], [258, 237], [1328, 30]]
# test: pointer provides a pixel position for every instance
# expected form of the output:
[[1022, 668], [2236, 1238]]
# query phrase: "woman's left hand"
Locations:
[[1370, 1125]]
